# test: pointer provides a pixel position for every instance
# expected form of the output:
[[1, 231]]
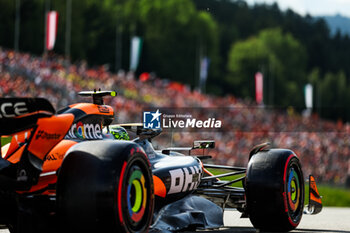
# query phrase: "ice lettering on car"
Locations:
[[9, 110], [184, 179]]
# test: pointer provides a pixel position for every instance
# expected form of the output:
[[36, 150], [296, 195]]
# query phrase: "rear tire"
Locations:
[[105, 187], [275, 190]]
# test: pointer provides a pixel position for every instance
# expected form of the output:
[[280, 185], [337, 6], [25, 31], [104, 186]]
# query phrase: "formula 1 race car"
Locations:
[[71, 171]]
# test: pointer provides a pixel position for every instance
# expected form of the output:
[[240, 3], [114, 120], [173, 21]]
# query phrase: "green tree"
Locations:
[[7, 25], [280, 57], [334, 92], [245, 59], [175, 34], [93, 30]]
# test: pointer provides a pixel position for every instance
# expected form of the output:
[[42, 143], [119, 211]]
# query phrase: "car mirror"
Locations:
[[203, 144]]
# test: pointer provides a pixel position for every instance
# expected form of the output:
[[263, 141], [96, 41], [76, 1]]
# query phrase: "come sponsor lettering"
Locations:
[[84, 131]]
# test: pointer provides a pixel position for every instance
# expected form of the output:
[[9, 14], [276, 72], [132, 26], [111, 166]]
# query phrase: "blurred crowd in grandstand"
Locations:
[[322, 146]]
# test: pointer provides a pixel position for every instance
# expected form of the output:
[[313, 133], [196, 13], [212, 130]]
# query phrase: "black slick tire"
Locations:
[[275, 190], [105, 186]]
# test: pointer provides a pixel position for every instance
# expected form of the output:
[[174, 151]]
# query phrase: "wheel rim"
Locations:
[[295, 191], [136, 205], [136, 194]]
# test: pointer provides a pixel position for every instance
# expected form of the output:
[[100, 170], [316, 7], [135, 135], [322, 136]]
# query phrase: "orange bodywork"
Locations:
[[54, 158], [159, 187], [51, 164], [93, 109], [48, 133], [15, 157], [314, 195], [16, 141], [46, 141]]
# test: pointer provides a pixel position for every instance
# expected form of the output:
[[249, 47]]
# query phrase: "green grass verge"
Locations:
[[5, 140], [228, 178], [331, 196]]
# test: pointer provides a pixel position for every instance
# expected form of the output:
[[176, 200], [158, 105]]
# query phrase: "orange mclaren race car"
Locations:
[[72, 171]]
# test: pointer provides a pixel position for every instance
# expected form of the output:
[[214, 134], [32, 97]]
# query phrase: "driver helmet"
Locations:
[[119, 132]]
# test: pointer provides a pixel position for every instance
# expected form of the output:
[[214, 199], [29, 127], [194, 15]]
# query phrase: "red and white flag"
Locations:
[[259, 86], [51, 29]]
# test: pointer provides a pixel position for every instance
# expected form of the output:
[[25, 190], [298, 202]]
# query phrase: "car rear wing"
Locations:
[[18, 114]]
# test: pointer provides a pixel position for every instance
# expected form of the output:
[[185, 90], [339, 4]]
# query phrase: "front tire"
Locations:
[[105, 187], [275, 190]]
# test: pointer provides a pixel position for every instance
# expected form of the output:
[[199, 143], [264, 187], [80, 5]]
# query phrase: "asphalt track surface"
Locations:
[[330, 220]]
